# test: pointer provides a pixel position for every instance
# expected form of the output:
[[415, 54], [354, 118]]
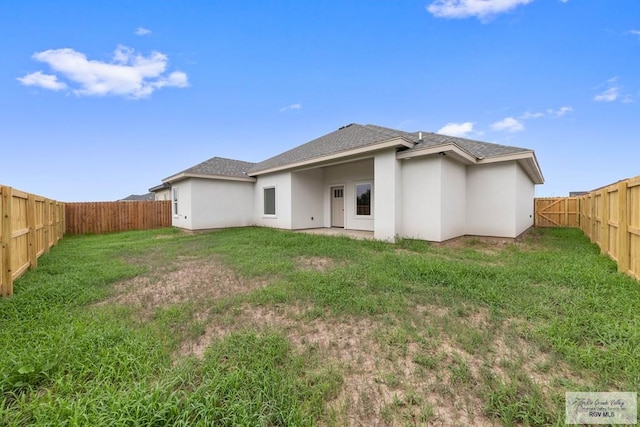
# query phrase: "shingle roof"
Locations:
[[356, 136], [344, 139], [219, 166], [139, 198], [476, 148]]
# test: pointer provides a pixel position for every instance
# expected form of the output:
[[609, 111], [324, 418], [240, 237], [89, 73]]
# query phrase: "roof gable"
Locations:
[[478, 149], [216, 167], [346, 138], [356, 139]]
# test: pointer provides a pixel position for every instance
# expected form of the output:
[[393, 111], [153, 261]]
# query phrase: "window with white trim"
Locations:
[[269, 200], [175, 200], [363, 199]]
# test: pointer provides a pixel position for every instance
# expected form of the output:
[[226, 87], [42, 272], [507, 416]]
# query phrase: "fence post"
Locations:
[[5, 243], [604, 222], [46, 223], [593, 221], [31, 224], [623, 232], [63, 219]]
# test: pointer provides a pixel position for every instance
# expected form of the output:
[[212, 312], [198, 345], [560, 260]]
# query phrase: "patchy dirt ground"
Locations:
[[426, 369], [185, 281]]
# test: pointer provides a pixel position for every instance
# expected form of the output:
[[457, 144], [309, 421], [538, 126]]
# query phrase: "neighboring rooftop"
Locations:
[[139, 198]]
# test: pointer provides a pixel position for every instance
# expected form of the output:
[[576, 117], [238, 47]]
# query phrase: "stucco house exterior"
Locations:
[[417, 185], [161, 192]]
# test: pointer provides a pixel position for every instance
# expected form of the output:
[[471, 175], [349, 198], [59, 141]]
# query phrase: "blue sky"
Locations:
[[100, 100]]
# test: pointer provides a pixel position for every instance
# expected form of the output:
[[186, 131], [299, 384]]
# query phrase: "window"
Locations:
[[338, 193], [270, 201], [175, 200], [363, 199]]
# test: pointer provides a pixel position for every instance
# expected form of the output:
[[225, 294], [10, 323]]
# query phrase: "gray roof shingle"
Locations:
[[344, 139], [139, 198], [222, 167], [356, 136], [476, 148]]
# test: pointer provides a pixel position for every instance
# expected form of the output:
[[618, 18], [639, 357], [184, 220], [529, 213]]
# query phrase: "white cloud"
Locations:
[[456, 129], [608, 95], [508, 124], [530, 115], [560, 112], [635, 32], [481, 9], [46, 81], [141, 31], [550, 112], [291, 107], [564, 1], [611, 93], [128, 74]]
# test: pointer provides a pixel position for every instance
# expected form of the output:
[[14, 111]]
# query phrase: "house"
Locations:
[[417, 185], [139, 198], [161, 192]]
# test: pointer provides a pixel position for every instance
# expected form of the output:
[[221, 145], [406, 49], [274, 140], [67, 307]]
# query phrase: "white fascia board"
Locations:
[[435, 149], [529, 160], [531, 165], [353, 152], [180, 176]]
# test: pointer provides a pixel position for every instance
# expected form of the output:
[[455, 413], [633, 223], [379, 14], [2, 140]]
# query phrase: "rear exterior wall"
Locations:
[[221, 203], [491, 199]]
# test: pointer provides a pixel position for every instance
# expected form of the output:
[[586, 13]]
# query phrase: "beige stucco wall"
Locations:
[[433, 198], [525, 193], [163, 194], [387, 195], [184, 217], [453, 199], [491, 199], [307, 191], [421, 198], [205, 204], [221, 203], [282, 183]]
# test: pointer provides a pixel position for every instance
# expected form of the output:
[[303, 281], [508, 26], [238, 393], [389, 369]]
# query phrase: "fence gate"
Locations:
[[557, 212]]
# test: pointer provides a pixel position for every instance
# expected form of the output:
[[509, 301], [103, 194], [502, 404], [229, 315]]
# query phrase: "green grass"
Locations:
[[67, 360]]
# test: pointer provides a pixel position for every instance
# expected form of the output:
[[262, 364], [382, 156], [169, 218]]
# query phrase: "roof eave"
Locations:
[[186, 175], [527, 159], [391, 143], [160, 187], [449, 147]]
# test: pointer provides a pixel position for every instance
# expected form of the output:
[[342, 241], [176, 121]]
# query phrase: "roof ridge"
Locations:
[[478, 141], [227, 158], [472, 146]]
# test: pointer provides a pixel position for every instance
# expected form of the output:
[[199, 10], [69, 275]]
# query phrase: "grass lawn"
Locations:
[[256, 326]]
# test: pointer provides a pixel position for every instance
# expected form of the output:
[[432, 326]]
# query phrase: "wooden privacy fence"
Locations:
[[609, 216], [29, 226], [109, 217]]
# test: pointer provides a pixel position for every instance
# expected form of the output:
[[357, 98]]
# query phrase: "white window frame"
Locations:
[[175, 201], [355, 199], [264, 201]]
